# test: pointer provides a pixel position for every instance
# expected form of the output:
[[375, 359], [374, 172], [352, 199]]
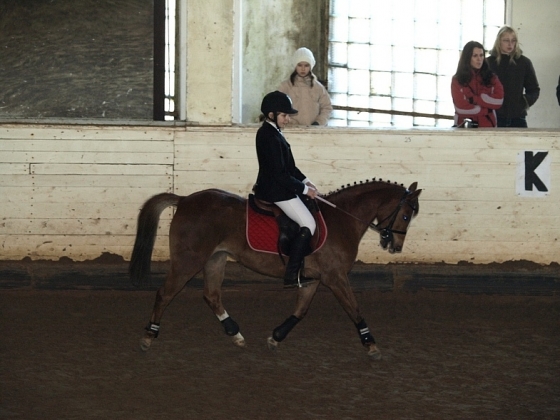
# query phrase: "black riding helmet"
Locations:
[[277, 102]]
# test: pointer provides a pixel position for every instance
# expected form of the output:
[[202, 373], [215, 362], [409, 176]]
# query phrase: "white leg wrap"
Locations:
[[238, 340], [223, 316]]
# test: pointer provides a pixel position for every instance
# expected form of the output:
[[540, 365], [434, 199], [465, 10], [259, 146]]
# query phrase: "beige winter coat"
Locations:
[[313, 103]]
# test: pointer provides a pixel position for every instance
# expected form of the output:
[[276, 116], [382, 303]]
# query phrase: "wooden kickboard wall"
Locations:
[[75, 191]]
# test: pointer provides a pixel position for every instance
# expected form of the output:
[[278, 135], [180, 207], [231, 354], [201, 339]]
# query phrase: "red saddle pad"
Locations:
[[262, 231]]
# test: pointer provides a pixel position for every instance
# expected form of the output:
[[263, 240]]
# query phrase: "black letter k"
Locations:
[[531, 164]]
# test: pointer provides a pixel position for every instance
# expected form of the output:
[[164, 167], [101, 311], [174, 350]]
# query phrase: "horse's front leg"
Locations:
[[213, 272], [345, 296], [304, 298]]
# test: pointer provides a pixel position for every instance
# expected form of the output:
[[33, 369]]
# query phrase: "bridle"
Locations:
[[386, 232]]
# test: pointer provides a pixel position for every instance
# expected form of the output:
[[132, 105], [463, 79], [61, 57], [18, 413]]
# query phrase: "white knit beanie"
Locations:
[[303, 54]]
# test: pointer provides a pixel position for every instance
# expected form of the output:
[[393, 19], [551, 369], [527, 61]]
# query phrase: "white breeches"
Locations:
[[298, 212]]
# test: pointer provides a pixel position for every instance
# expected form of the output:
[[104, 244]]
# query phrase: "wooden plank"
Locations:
[[534, 207], [213, 151], [457, 154], [230, 177], [509, 221], [350, 171], [38, 132], [87, 157], [540, 234], [51, 226], [14, 168], [437, 140], [223, 135], [160, 253], [383, 169], [479, 252], [498, 181], [108, 181], [78, 252], [91, 241], [78, 194], [334, 136], [98, 169], [241, 189], [66, 146], [475, 194], [351, 152], [43, 244], [71, 210], [469, 248], [482, 252], [474, 191], [216, 165]]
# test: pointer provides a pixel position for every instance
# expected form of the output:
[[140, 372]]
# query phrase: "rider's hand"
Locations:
[[312, 191], [311, 185]]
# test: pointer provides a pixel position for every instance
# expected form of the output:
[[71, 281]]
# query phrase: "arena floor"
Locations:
[[74, 354]]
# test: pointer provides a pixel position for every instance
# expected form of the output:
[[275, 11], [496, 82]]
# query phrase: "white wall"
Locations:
[[538, 24], [210, 38]]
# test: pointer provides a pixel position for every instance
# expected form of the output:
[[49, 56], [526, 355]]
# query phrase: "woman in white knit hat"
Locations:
[[309, 96]]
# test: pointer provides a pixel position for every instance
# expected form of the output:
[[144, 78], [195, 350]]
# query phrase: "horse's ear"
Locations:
[[415, 194], [413, 187]]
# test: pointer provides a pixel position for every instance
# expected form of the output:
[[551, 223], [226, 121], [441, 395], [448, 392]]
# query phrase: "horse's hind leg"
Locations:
[[304, 299], [180, 273], [213, 272]]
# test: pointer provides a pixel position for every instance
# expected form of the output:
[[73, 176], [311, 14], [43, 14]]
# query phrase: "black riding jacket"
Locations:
[[279, 179]]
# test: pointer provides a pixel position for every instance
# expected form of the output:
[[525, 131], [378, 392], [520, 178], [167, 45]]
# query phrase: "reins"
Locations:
[[385, 232]]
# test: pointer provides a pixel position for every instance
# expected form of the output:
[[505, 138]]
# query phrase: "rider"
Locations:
[[281, 182]]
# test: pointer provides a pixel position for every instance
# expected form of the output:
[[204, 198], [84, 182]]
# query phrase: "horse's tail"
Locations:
[[146, 231]]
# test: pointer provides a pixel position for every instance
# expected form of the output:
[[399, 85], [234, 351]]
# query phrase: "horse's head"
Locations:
[[392, 228]]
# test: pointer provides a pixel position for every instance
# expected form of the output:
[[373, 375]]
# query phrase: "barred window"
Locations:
[[391, 62], [164, 60]]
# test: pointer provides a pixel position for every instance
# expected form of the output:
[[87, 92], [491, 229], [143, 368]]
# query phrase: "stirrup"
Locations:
[[300, 281]]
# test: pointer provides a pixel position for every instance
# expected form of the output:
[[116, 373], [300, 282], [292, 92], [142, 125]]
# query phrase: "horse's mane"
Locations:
[[367, 181]]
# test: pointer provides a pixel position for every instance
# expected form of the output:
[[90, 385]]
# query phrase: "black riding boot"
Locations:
[[298, 249]]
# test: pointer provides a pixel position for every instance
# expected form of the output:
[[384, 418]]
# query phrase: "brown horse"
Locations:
[[208, 226]]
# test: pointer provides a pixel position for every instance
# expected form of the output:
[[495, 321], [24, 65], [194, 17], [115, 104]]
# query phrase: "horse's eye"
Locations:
[[405, 218]]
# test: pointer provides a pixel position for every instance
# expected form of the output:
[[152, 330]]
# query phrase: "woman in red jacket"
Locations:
[[476, 90]]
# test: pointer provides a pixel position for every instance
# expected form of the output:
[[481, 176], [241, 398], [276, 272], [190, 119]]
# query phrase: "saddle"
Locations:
[[270, 230]]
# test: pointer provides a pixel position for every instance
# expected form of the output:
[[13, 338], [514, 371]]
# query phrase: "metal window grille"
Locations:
[[391, 62], [169, 100], [164, 60]]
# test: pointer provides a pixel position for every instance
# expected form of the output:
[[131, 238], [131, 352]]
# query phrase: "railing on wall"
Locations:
[[393, 112]]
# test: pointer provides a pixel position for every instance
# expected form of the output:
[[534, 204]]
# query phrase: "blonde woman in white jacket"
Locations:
[[308, 95]]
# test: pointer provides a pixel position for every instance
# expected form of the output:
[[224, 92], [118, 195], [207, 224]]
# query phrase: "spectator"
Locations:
[[517, 74], [309, 96], [475, 89], [558, 91]]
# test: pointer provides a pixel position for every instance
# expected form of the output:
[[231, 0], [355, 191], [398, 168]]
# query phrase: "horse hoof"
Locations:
[[272, 343], [374, 353], [145, 343], [239, 340]]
